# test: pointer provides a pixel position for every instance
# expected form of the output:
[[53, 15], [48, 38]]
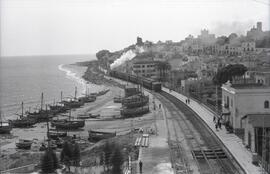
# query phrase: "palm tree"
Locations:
[[163, 68]]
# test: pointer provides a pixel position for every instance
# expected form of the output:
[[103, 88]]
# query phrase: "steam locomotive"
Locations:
[[145, 82]]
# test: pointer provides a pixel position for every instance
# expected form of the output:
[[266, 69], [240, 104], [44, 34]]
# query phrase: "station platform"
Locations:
[[156, 156], [233, 143]]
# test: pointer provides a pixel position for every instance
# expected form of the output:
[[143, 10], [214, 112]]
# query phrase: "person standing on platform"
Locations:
[[140, 164]]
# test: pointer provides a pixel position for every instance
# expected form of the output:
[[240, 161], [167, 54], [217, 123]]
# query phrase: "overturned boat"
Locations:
[[133, 112], [24, 144], [95, 136]]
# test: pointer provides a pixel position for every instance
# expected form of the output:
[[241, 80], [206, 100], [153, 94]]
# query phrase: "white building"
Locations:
[[146, 68], [248, 47], [243, 99], [249, 115]]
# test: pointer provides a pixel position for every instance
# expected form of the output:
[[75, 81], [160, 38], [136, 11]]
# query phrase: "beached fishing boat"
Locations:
[[55, 134], [83, 116], [5, 127], [94, 115], [133, 112], [87, 99], [58, 108], [40, 115], [72, 103], [22, 122], [24, 144], [117, 99], [95, 136], [103, 92], [68, 124]]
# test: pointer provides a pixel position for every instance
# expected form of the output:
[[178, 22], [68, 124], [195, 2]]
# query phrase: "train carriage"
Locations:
[[145, 82]]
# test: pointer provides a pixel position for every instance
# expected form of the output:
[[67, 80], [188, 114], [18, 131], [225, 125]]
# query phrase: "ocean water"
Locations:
[[25, 78]]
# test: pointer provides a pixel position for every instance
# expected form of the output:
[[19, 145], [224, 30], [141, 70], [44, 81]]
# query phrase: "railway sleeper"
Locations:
[[209, 154]]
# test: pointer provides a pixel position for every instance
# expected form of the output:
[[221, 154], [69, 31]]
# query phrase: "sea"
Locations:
[[24, 79]]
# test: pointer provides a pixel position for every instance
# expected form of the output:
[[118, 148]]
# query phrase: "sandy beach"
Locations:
[[109, 121]]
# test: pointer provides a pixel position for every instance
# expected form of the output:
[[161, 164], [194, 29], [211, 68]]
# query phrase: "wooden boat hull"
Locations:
[[55, 109], [22, 123], [117, 100], [95, 136], [5, 130], [24, 144], [68, 125], [5, 127], [40, 116], [87, 99], [72, 104], [134, 112], [103, 92], [56, 135]]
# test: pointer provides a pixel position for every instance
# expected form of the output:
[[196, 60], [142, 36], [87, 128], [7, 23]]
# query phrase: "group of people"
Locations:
[[187, 101], [217, 121]]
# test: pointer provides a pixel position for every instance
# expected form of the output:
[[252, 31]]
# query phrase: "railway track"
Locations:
[[206, 150]]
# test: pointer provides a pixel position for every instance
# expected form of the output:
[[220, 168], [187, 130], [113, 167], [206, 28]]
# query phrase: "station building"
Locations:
[[246, 106]]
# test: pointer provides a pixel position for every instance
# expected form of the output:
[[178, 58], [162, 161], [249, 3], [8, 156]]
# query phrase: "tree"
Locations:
[[222, 40], [49, 161], [66, 154], [76, 155], [163, 68], [107, 152], [117, 161], [228, 72]]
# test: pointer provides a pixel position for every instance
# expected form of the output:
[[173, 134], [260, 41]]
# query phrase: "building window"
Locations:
[[266, 104]]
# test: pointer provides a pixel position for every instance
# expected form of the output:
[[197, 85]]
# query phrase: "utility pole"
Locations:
[[216, 99], [41, 104], [75, 92], [263, 147]]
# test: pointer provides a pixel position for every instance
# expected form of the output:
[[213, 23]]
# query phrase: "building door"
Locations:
[[249, 139]]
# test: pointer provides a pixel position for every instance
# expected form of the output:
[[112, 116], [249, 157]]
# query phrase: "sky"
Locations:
[[52, 27]]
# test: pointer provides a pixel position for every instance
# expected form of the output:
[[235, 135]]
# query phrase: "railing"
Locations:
[[23, 169]]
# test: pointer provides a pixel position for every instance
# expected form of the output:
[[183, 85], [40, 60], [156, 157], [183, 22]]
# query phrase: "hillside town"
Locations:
[[200, 105], [228, 74]]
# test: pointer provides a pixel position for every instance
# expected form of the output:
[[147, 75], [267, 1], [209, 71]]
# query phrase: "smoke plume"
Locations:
[[126, 56], [226, 28]]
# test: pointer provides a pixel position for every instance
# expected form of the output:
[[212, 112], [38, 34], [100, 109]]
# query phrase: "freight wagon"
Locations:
[[145, 82]]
